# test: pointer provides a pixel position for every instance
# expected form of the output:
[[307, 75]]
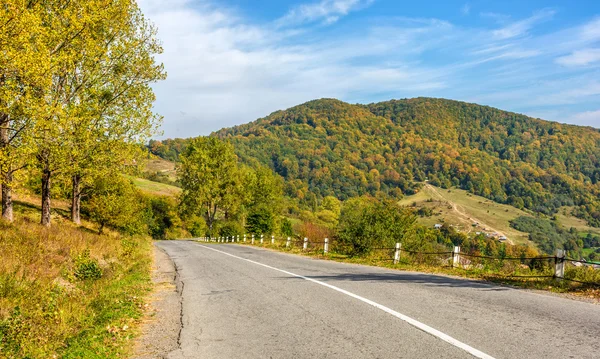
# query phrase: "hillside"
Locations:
[[331, 147], [328, 147], [467, 213]]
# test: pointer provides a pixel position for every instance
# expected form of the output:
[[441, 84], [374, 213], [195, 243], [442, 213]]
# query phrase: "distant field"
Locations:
[[156, 188], [568, 221], [462, 209], [159, 165]]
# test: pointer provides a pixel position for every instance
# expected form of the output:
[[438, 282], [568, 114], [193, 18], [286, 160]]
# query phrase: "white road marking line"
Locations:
[[415, 323]]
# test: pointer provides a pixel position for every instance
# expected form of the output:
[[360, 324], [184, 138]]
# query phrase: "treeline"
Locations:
[[223, 198], [75, 101]]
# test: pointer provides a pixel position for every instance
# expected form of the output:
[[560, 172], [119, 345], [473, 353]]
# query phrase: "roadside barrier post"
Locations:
[[559, 264], [272, 239], [261, 238], [326, 246], [287, 244], [238, 238], [456, 256], [244, 237], [305, 245], [253, 238], [397, 254]]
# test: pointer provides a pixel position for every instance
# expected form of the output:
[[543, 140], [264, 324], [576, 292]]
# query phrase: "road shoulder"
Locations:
[[161, 324]]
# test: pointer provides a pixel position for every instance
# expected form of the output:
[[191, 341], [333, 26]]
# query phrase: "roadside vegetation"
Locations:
[[75, 110], [222, 198]]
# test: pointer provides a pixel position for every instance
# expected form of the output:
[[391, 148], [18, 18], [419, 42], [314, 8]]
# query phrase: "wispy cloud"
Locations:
[[325, 11], [580, 58], [587, 118], [466, 9], [521, 27], [225, 69]]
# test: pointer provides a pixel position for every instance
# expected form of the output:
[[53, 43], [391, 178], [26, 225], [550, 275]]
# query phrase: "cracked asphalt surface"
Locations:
[[233, 308]]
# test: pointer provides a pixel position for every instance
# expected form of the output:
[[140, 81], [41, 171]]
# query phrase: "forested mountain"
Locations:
[[328, 147]]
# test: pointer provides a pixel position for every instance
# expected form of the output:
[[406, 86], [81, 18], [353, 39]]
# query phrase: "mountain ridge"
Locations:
[[329, 147]]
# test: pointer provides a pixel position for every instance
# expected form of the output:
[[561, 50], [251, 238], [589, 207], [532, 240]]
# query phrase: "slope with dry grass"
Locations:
[[66, 291]]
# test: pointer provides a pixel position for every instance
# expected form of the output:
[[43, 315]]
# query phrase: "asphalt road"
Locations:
[[247, 302]]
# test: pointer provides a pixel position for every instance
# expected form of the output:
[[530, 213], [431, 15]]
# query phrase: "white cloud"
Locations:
[[520, 28], [588, 118], [327, 11], [591, 31], [580, 58], [225, 70], [466, 9]]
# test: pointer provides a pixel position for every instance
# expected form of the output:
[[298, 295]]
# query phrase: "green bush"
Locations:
[[366, 223], [260, 221], [229, 229], [86, 267]]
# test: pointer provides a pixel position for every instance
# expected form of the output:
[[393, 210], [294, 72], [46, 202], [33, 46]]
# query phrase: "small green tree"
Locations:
[[116, 202], [260, 220], [210, 180], [366, 223]]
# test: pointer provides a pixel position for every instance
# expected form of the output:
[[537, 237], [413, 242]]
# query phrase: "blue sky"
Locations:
[[233, 61]]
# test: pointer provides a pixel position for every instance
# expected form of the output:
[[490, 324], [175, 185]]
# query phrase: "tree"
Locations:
[[117, 111], [366, 223], [100, 95], [24, 66], [263, 191], [209, 178], [114, 201]]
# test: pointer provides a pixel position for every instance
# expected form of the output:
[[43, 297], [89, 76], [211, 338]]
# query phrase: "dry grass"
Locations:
[[460, 208], [163, 166], [45, 311], [156, 188]]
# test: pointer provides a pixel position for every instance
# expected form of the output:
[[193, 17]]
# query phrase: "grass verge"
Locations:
[[67, 292]]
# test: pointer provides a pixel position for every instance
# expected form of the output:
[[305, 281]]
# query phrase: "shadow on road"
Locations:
[[408, 278]]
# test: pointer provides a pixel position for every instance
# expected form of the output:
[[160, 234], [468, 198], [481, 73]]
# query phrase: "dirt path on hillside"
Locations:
[[162, 322], [468, 218]]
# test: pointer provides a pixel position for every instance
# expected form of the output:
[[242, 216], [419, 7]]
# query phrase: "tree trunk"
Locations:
[[46, 175], [7, 203], [7, 176], [76, 202]]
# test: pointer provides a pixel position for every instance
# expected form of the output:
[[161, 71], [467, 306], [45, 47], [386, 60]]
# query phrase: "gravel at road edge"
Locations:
[[162, 322]]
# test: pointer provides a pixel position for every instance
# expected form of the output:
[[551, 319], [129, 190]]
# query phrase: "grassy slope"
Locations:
[[568, 221], [458, 207], [158, 164], [462, 209], [156, 188], [45, 311]]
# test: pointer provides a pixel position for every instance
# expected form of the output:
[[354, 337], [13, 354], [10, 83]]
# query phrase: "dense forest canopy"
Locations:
[[328, 147]]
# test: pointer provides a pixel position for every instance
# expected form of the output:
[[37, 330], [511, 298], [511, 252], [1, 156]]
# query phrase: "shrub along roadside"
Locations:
[[69, 292]]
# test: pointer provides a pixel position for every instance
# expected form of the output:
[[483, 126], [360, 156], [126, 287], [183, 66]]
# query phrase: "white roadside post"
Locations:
[[287, 244], [238, 238], [559, 264], [272, 239], [397, 253], [261, 238], [305, 245], [244, 237], [326, 246], [253, 238], [456, 256]]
